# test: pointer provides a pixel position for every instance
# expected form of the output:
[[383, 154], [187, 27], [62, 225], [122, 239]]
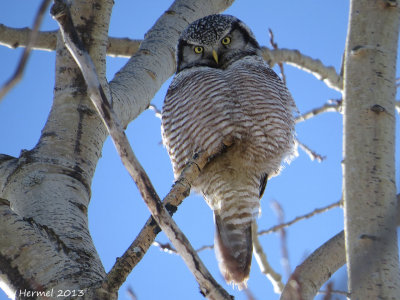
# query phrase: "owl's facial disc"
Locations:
[[220, 45]]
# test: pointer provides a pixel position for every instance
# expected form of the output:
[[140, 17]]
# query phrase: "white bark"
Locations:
[[369, 166]]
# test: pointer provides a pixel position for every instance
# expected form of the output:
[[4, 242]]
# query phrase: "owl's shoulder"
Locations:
[[255, 64]]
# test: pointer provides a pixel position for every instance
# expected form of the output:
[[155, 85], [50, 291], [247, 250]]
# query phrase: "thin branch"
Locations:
[[47, 41], [284, 250], [157, 112], [275, 47], [25, 55], [209, 287], [314, 66], [131, 293], [330, 106], [165, 247], [303, 217], [19, 37], [328, 292], [261, 258], [311, 153]]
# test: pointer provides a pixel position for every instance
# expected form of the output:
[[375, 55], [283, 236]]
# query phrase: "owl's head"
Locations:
[[215, 41]]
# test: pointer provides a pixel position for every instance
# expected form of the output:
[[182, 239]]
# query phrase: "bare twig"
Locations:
[[165, 247], [25, 55], [249, 294], [275, 47], [157, 112], [311, 153], [303, 217], [330, 106], [284, 251], [131, 293], [261, 258], [328, 292], [209, 287]]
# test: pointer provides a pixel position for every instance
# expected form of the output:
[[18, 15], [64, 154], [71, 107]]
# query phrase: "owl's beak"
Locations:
[[215, 55]]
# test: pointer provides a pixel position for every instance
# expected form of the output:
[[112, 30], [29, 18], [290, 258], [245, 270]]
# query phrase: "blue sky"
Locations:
[[116, 211]]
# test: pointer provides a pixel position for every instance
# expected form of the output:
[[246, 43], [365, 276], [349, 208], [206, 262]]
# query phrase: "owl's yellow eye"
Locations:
[[226, 40], [198, 49]]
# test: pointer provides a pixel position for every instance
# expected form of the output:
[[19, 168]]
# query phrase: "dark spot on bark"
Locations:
[[391, 3], [84, 109], [156, 230], [356, 48], [377, 108], [79, 132], [171, 208], [186, 193], [96, 5], [48, 134], [77, 174], [5, 157], [80, 206], [106, 112], [368, 237]]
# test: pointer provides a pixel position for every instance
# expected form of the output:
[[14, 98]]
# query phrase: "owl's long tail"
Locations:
[[234, 249]]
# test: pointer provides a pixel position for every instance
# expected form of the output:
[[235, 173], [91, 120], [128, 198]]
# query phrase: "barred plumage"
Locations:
[[226, 101]]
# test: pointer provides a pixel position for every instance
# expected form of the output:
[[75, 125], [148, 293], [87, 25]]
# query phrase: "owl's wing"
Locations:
[[195, 115], [263, 184]]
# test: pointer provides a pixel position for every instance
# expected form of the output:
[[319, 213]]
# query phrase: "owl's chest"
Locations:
[[235, 97]]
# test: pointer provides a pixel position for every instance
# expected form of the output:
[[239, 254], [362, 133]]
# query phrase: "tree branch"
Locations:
[[19, 37], [25, 55], [209, 287], [265, 268], [311, 153], [47, 41], [303, 217], [308, 277], [125, 47], [314, 66], [330, 106], [180, 190]]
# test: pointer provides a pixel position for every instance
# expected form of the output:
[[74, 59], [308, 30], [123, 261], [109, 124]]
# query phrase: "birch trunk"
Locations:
[[369, 166]]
